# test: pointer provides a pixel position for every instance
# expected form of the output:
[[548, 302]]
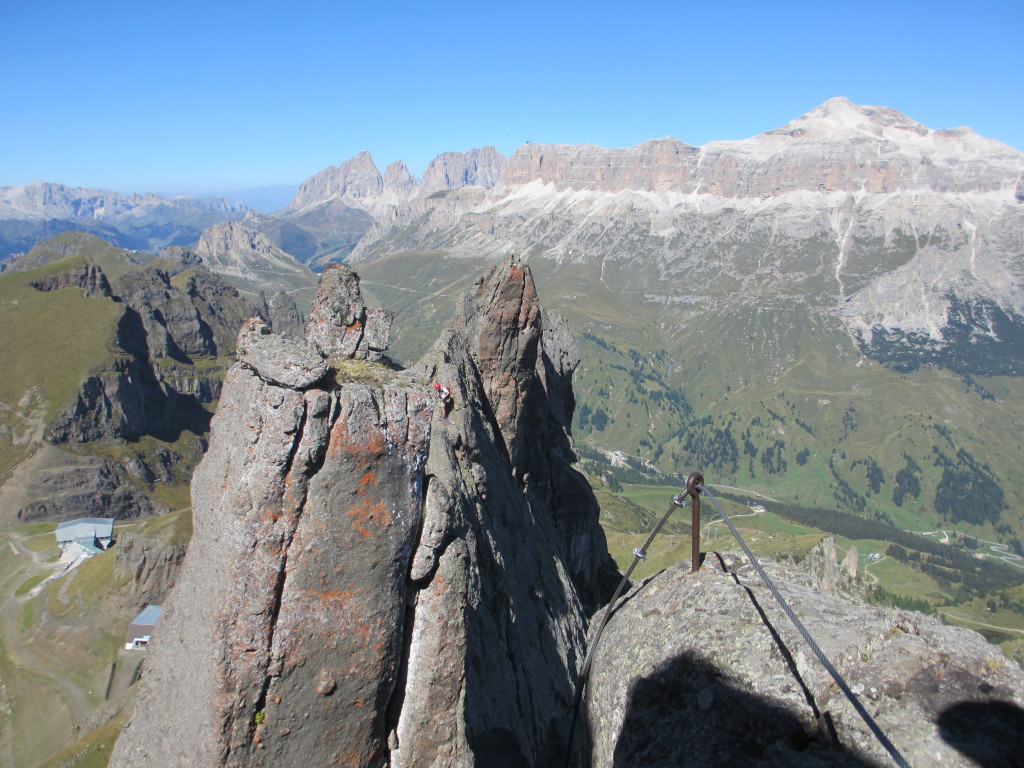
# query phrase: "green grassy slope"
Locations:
[[51, 342], [61, 645]]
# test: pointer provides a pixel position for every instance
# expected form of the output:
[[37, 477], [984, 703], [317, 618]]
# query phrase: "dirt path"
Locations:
[[981, 623], [21, 653], [869, 573]]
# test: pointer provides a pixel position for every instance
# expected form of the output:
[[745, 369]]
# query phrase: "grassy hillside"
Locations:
[[51, 342], [62, 661], [771, 395]]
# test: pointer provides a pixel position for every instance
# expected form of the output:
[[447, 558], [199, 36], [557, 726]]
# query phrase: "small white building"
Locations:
[[141, 629]]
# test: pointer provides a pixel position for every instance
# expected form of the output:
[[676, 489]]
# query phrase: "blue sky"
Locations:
[[196, 96]]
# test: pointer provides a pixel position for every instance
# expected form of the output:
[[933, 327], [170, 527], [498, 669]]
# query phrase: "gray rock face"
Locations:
[[241, 252], [526, 369], [283, 637], [156, 389], [452, 170], [278, 360], [705, 669], [340, 325], [284, 316], [398, 180], [63, 490], [169, 318], [88, 277], [352, 181], [110, 405], [497, 615], [370, 571]]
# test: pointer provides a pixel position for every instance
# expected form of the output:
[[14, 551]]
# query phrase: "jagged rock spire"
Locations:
[[376, 577], [281, 643], [340, 324]]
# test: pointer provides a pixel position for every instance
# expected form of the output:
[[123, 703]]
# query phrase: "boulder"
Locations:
[[705, 669], [340, 325]]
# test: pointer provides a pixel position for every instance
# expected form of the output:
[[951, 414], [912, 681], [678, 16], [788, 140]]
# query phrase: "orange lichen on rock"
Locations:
[[368, 515]]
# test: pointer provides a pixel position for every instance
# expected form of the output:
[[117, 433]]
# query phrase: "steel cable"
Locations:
[[639, 555], [850, 695]]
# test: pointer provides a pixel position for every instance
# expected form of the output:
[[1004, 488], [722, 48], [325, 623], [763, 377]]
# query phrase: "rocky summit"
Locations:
[[398, 568], [380, 574], [705, 669]]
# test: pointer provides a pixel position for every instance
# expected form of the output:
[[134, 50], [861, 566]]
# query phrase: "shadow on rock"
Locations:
[[990, 732], [689, 712]]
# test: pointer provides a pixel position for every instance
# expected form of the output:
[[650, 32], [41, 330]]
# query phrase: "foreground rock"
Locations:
[[705, 669], [498, 623], [377, 577]]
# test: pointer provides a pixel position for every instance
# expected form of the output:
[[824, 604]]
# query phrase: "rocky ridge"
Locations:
[[882, 222], [351, 497], [705, 669], [31, 213], [56, 201], [836, 147], [239, 252], [357, 182]]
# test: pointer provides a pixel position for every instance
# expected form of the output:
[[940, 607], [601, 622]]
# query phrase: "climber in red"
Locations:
[[444, 397]]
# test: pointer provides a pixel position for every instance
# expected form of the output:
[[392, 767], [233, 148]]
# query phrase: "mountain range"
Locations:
[[828, 314], [841, 298], [35, 212]]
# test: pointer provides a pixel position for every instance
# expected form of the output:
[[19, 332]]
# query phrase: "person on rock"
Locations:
[[444, 397]]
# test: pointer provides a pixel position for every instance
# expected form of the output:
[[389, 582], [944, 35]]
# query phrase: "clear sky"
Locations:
[[215, 95]]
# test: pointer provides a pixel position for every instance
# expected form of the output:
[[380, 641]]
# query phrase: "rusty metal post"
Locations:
[[695, 479]]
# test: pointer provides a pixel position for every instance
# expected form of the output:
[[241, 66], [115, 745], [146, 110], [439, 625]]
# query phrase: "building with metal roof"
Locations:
[[89, 529], [141, 629]]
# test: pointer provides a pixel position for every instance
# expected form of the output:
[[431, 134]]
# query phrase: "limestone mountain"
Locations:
[[35, 212], [857, 208], [333, 209], [244, 255], [831, 299], [358, 183]]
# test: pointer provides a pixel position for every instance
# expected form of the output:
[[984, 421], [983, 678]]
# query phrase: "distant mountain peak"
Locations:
[[840, 119], [358, 183]]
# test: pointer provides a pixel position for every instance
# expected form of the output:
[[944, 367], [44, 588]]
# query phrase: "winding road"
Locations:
[[999, 551]]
